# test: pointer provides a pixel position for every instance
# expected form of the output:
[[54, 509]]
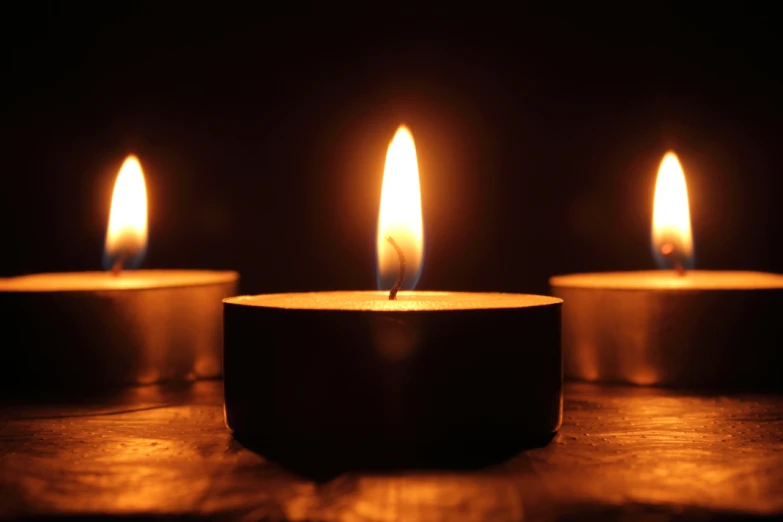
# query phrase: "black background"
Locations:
[[263, 139]]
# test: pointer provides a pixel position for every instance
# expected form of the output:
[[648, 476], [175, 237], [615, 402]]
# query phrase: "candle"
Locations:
[[88, 330], [397, 377], [678, 327]]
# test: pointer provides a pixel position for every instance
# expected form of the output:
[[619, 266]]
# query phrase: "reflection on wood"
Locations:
[[622, 452]]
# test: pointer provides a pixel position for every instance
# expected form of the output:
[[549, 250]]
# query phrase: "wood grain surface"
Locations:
[[623, 454]]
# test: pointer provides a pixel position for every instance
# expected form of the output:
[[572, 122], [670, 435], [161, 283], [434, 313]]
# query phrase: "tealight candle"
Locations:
[[395, 378], [86, 330], [678, 327]]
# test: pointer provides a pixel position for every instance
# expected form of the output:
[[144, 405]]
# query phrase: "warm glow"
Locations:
[[671, 229], [126, 236], [400, 213]]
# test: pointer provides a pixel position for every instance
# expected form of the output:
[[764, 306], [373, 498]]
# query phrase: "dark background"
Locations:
[[263, 139]]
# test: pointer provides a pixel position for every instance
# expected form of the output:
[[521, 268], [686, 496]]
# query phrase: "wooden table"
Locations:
[[622, 454]]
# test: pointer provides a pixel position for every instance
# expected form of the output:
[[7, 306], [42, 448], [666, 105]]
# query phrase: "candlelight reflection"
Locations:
[[625, 452], [400, 214], [672, 243], [126, 236], [412, 497]]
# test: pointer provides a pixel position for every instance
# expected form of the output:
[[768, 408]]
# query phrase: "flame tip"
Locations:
[[403, 130]]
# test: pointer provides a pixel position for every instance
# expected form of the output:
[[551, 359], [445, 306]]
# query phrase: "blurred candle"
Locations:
[[355, 379], [96, 329], [676, 326]]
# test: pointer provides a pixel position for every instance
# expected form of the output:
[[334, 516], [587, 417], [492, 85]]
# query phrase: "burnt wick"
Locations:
[[679, 268], [398, 283], [668, 251], [118, 265]]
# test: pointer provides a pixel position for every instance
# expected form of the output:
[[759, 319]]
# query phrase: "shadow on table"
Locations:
[[322, 462]]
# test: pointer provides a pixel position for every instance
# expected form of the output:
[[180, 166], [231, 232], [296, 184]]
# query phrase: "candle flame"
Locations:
[[400, 214], [126, 236], [672, 242]]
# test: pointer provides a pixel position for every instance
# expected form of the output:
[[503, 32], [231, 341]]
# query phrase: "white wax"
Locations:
[[413, 301], [670, 280], [125, 280]]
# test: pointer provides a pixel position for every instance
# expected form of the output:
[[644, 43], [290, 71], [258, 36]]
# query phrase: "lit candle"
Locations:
[[679, 326], [337, 380], [93, 329]]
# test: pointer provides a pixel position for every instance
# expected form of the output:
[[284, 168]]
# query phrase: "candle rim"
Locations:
[[382, 304], [668, 280], [127, 281]]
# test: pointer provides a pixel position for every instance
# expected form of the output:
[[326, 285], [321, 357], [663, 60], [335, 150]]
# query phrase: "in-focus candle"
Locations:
[[329, 381]]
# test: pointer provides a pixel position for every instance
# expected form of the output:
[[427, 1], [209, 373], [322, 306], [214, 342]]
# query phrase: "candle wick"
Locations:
[[398, 283], [668, 250], [679, 268], [116, 268]]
